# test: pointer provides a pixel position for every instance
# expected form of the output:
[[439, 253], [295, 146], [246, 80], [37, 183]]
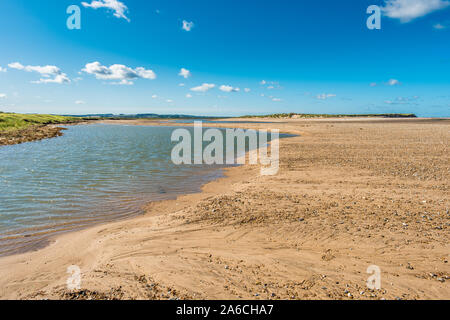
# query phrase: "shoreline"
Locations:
[[172, 219], [52, 236], [49, 236], [48, 131], [30, 134], [214, 187]]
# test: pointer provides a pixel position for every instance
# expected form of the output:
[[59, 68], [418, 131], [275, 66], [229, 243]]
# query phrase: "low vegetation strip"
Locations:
[[19, 128], [304, 115], [14, 121]]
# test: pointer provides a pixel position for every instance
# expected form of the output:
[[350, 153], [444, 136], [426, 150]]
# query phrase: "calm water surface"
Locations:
[[94, 173]]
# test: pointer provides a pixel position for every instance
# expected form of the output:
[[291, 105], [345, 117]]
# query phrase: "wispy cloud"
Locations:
[[2, 95], [118, 7], [187, 25], [226, 88], [80, 102], [270, 85], [403, 100], [204, 87], [408, 10], [125, 75], [274, 99], [390, 82], [325, 96], [49, 74], [439, 26], [393, 82], [2, 69]]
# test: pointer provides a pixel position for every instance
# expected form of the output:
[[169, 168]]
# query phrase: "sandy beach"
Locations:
[[350, 193]]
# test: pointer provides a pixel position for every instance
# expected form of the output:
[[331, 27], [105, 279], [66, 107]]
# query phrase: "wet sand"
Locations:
[[350, 193]]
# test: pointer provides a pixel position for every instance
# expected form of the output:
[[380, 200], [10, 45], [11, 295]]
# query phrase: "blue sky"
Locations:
[[239, 57]]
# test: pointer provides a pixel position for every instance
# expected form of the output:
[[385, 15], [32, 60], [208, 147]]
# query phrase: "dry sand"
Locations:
[[350, 193]]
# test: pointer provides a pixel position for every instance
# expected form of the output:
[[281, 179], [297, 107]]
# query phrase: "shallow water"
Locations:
[[92, 174], [220, 121]]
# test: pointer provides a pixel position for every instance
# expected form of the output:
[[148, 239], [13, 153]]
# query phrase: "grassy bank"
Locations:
[[19, 128], [15, 121]]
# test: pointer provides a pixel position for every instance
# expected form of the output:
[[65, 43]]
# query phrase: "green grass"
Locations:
[[14, 121]]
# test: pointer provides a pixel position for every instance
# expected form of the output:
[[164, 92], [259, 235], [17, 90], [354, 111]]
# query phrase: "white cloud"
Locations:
[[325, 96], [276, 99], [2, 69], [169, 101], [80, 102], [263, 82], [185, 73], [118, 7], [187, 26], [59, 79], [181, 85], [439, 26], [154, 96], [408, 10], [226, 88], [124, 74], [247, 90], [203, 88], [146, 74], [42, 70], [123, 82], [50, 74], [2, 96], [16, 65], [393, 82], [189, 96]]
